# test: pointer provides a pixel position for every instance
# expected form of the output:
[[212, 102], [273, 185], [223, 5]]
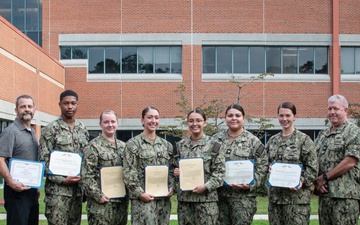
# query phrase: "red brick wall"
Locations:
[[17, 80], [215, 16]]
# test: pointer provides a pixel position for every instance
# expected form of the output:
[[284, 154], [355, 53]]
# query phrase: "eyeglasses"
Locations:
[[195, 121]]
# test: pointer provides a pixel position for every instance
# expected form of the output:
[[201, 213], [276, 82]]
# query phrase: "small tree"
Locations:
[[354, 112]]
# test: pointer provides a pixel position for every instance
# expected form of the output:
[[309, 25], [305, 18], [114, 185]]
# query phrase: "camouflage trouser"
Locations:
[[291, 214], [236, 211], [198, 213], [156, 212], [338, 211], [110, 213], [63, 210]]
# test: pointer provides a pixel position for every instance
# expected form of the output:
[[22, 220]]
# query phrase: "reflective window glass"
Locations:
[[357, 60], [306, 60], [145, 60], [112, 59], [224, 60], [347, 60], [257, 59], [162, 59], [18, 14], [176, 60], [65, 53], [321, 60], [241, 60], [33, 36], [5, 10], [129, 60], [79, 53], [32, 15], [208, 59], [96, 60], [289, 60], [273, 60]]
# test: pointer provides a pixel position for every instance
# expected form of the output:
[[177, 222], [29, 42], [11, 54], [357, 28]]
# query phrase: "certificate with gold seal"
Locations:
[[285, 175], [239, 172], [191, 173], [65, 163]]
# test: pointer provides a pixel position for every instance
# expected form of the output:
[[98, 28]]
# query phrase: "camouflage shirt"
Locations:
[[140, 151], [99, 153], [297, 148], [332, 147], [246, 146], [58, 136], [214, 167]]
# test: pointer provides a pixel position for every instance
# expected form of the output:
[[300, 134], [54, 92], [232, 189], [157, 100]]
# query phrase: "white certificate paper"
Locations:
[[239, 172], [65, 163], [156, 180], [112, 182], [191, 173], [285, 175], [30, 173]]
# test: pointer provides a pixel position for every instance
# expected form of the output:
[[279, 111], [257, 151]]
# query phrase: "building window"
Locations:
[[25, 15], [260, 59], [143, 59], [350, 60]]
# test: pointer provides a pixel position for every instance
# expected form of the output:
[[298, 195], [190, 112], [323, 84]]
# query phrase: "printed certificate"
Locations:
[[30, 173], [191, 173], [65, 163], [112, 182], [156, 180], [285, 175], [239, 172]]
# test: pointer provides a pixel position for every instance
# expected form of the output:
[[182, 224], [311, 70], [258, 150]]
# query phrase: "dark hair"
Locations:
[[147, 109], [287, 105], [23, 96], [198, 111], [235, 106], [68, 93]]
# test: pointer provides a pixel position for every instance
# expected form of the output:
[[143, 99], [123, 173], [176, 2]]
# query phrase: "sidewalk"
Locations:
[[172, 217]]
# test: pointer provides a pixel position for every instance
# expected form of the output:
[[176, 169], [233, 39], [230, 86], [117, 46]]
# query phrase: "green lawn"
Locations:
[[261, 209]]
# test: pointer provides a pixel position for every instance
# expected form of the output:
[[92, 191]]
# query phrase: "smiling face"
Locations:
[[286, 118], [337, 114], [234, 119], [108, 124], [25, 109], [196, 123], [151, 120]]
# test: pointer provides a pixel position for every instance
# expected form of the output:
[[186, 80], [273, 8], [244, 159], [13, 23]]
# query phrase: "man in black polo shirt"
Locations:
[[18, 140]]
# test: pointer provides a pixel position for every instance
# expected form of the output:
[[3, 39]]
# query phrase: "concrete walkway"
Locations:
[[172, 217]]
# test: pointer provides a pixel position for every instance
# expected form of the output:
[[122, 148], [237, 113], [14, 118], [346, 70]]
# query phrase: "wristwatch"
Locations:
[[325, 177]]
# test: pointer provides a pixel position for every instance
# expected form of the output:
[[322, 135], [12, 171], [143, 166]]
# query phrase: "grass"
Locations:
[[262, 208]]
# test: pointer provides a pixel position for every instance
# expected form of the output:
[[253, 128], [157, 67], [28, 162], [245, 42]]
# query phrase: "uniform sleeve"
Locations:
[[46, 144], [217, 168], [131, 178], [352, 140], [261, 165], [309, 161], [171, 166], [89, 172]]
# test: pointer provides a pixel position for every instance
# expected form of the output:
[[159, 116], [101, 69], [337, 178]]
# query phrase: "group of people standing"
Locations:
[[330, 169]]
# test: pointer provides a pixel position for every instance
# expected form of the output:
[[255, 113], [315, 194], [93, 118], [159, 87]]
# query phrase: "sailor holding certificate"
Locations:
[[291, 205], [104, 152], [246, 169], [199, 204]]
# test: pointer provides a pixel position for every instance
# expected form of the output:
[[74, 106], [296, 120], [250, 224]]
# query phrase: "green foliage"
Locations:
[[354, 112]]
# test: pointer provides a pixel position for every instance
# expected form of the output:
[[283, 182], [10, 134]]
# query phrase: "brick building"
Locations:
[[125, 55]]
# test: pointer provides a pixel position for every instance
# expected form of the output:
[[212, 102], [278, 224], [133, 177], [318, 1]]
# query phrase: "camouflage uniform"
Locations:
[[140, 151], [238, 206], [201, 208], [340, 205], [63, 202], [287, 206], [97, 154]]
